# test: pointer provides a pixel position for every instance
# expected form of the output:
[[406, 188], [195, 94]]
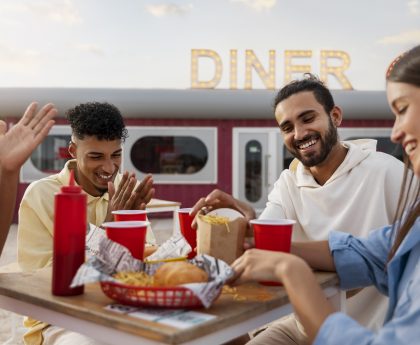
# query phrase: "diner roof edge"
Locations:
[[184, 103]]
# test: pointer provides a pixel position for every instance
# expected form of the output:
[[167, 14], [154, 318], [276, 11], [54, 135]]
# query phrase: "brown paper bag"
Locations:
[[222, 241]]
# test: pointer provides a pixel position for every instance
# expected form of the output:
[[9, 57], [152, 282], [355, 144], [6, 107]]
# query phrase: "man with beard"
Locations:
[[331, 185], [98, 132]]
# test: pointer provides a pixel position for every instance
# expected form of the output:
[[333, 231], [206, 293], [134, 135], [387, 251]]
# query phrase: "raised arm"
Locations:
[[16, 145]]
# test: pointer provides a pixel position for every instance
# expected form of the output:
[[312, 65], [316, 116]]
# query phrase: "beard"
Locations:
[[327, 143]]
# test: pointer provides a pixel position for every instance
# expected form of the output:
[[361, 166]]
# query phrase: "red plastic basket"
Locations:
[[140, 296]]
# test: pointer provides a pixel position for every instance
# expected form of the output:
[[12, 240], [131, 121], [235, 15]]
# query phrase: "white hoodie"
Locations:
[[360, 196]]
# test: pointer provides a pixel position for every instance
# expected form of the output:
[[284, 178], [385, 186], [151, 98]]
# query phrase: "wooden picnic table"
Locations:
[[237, 311]]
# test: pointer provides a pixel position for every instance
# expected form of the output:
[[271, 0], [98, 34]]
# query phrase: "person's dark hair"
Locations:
[[406, 69], [309, 83], [102, 120]]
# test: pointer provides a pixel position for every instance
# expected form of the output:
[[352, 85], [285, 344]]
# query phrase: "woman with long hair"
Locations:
[[388, 258]]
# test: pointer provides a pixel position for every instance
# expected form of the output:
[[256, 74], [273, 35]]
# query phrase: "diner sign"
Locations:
[[333, 63]]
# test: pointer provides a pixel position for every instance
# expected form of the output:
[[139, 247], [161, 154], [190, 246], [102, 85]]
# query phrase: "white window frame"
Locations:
[[29, 172], [274, 142], [207, 175]]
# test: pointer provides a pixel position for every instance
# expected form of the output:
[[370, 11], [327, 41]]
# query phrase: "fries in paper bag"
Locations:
[[221, 234]]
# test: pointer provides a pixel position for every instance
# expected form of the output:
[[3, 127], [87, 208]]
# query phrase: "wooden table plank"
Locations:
[[250, 300]]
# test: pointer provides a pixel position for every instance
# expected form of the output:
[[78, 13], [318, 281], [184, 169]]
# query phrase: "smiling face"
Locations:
[[404, 100], [98, 162], [309, 133]]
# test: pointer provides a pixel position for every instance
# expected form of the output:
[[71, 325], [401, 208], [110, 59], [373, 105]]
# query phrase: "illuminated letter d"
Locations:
[[211, 84]]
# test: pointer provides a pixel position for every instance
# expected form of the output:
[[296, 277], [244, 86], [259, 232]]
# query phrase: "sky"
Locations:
[[148, 44]]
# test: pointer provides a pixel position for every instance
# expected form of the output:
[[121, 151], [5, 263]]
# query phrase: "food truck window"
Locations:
[[52, 154], [253, 171], [288, 157], [174, 155]]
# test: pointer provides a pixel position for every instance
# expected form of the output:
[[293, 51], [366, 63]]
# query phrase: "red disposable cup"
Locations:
[[273, 234], [127, 215], [190, 234], [130, 234]]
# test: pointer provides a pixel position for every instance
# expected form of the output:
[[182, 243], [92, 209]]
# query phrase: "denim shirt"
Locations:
[[363, 262]]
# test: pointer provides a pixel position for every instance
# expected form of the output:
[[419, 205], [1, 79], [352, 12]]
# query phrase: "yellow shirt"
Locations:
[[35, 229]]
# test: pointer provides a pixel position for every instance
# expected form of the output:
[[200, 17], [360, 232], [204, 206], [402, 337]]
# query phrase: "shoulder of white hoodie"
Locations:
[[363, 144], [359, 150], [364, 150], [369, 145]]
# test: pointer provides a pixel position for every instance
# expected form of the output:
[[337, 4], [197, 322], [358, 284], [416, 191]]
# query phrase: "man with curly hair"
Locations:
[[98, 132]]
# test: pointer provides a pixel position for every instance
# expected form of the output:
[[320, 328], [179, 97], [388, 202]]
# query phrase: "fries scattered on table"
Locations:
[[228, 290], [247, 293]]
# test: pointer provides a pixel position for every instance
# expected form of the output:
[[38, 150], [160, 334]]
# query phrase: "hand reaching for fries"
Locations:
[[219, 199]]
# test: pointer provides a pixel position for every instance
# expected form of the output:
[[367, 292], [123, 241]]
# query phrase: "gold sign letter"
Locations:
[[336, 71], [289, 68], [233, 69], [268, 78], [208, 53]]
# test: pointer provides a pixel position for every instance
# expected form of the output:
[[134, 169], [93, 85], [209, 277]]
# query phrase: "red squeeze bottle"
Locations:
[[69, 238]]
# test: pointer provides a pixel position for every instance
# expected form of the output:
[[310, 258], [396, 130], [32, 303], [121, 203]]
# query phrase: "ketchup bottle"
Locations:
[[69, 238]]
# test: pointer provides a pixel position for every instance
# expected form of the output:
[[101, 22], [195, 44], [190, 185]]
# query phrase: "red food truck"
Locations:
[[195, 140]]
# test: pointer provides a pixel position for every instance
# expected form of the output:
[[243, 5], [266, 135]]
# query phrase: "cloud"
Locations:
[[258, 5], [414, 7], [60, 11], [18, 60], [91, 48], [407, 37], [12, 7], [163, 10]]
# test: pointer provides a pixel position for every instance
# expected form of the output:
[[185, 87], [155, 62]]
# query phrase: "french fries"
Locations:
[[216, 220], [135, 278]]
